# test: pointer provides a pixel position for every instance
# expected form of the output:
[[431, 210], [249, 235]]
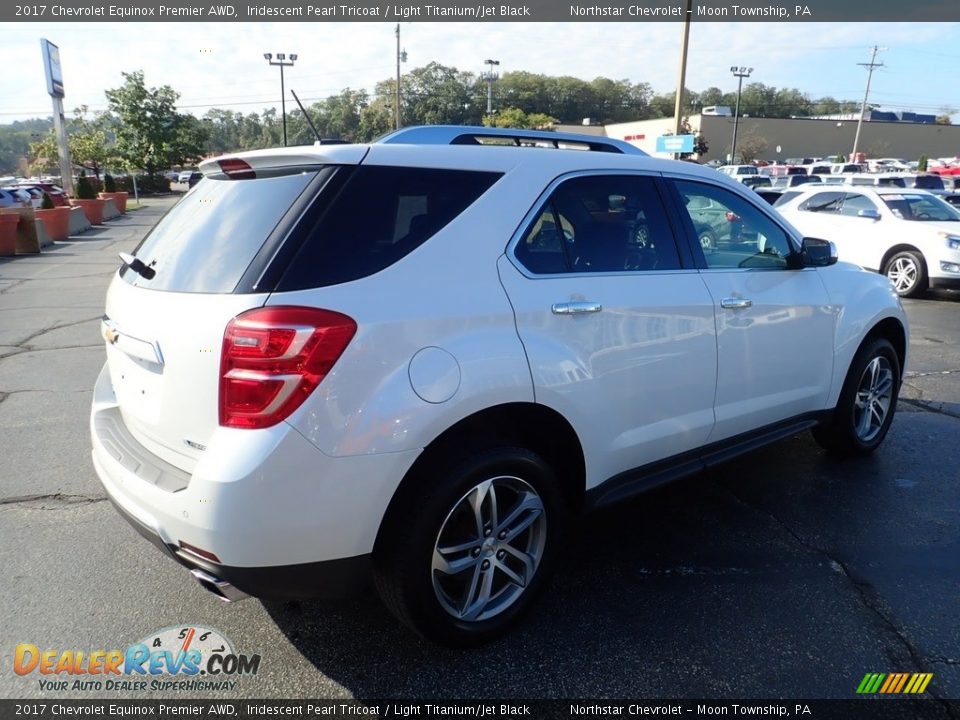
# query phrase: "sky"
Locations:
[[222, 65]]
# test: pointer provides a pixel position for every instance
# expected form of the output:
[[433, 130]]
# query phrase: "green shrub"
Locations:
[[146, 184], [922, 163], [109, 185], [85, 190], [47, 203]]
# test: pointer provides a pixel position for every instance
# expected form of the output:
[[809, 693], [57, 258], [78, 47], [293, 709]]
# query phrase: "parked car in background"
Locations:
[[911, 236], [555, 339], [789, 181], [771, 195], [816, 169], [878, 180], [738, 171], [184, 175], [36, 195], [846, 168], [888, 165], [57, 196], [9, 199], [194, 178], [924, 181], [20, 196], [755, 181]]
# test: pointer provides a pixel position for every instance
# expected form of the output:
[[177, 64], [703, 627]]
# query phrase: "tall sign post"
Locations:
[[54, 73]]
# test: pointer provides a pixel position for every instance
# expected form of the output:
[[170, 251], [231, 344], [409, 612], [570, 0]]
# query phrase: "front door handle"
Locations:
[[735, 303], [575, 308]]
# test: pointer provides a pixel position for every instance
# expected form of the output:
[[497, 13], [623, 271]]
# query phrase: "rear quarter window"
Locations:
[[379, 216]]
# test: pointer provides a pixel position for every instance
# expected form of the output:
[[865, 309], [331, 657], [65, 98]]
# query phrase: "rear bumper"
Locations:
[[282, 519], [327, 579]]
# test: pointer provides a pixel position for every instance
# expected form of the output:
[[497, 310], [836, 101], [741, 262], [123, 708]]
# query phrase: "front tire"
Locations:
[[908, 273], [867, 402], [469, 543]]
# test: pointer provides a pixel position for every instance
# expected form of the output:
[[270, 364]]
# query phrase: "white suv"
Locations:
[[413, 360], [911, 236]]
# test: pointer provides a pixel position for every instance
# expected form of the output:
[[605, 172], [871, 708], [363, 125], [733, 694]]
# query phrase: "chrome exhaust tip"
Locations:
[[221, 588]]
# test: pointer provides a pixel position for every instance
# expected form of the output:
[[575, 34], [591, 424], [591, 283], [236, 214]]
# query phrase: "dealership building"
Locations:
[[794, 137]]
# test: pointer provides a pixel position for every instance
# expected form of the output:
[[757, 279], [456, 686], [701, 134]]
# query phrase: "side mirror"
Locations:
[[869, 213], [815, 252]]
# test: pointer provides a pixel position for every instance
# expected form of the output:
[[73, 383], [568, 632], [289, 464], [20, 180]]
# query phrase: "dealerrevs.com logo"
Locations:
[[186, 658]]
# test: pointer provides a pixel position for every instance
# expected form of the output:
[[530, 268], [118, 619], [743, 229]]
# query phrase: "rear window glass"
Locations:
[[208, 239], [928, 182], [381, 215]]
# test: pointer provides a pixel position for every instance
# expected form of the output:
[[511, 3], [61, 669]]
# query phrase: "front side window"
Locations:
[[732, 232], [600, 223]]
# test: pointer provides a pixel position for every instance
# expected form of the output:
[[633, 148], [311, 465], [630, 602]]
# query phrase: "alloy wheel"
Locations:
[[489, 548], [903, 272], [874, 396]]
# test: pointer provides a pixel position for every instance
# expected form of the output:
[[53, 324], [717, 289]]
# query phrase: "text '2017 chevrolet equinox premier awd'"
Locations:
[[412, 361]]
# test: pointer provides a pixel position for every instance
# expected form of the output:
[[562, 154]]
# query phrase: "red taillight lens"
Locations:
[[236, 169], [273, 358]]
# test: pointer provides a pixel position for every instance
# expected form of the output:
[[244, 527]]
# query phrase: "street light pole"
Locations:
[[740, 73], [282, 62], [401, 57], [490, 77]]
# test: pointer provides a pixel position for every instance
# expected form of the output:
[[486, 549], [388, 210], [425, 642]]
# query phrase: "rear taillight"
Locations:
[[273, 358], [236, 169]]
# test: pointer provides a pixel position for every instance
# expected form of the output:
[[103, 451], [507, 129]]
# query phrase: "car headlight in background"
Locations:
[[953, 241]]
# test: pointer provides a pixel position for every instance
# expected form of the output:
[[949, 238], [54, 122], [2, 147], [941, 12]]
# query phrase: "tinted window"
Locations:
[[928, 182], [381, 215], [853, 204], [209, 238], [785, 197], [601, 223], [826, 202], [740, 235]]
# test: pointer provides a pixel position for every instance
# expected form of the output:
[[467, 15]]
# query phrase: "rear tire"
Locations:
[[867, 404], [908, 273], [469, 543]]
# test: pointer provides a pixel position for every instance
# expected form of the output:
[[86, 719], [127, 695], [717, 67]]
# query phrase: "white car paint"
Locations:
[[662, 369], [871, 241]]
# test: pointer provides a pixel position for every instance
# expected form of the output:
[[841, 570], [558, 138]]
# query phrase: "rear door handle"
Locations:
[[735, 303], [575, 308]]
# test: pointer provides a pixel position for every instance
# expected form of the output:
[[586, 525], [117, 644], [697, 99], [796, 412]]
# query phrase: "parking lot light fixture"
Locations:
[[282, 62], [740, 73]]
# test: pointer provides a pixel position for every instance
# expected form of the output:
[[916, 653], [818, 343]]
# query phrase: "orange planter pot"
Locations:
[[56, 221], [119, 199], [93, 209], [8, 234]]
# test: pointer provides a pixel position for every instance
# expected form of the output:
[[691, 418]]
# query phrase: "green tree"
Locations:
[[151, 134], [517, 118]]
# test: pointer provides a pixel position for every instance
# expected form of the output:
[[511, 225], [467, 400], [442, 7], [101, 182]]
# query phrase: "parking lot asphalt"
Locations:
[[784, 573]]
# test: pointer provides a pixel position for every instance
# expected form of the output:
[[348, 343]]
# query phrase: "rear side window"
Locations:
[[381, 215], [207, 240]]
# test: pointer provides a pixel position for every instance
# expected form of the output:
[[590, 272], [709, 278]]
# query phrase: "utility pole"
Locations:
[[871, 66], [490, 77], [678, 106], [401, 57]]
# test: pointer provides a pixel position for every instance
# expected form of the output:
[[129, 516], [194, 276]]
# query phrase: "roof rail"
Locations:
[[476, 135]]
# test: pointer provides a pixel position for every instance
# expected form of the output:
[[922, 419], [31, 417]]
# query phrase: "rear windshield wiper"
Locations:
[[138, 266]]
